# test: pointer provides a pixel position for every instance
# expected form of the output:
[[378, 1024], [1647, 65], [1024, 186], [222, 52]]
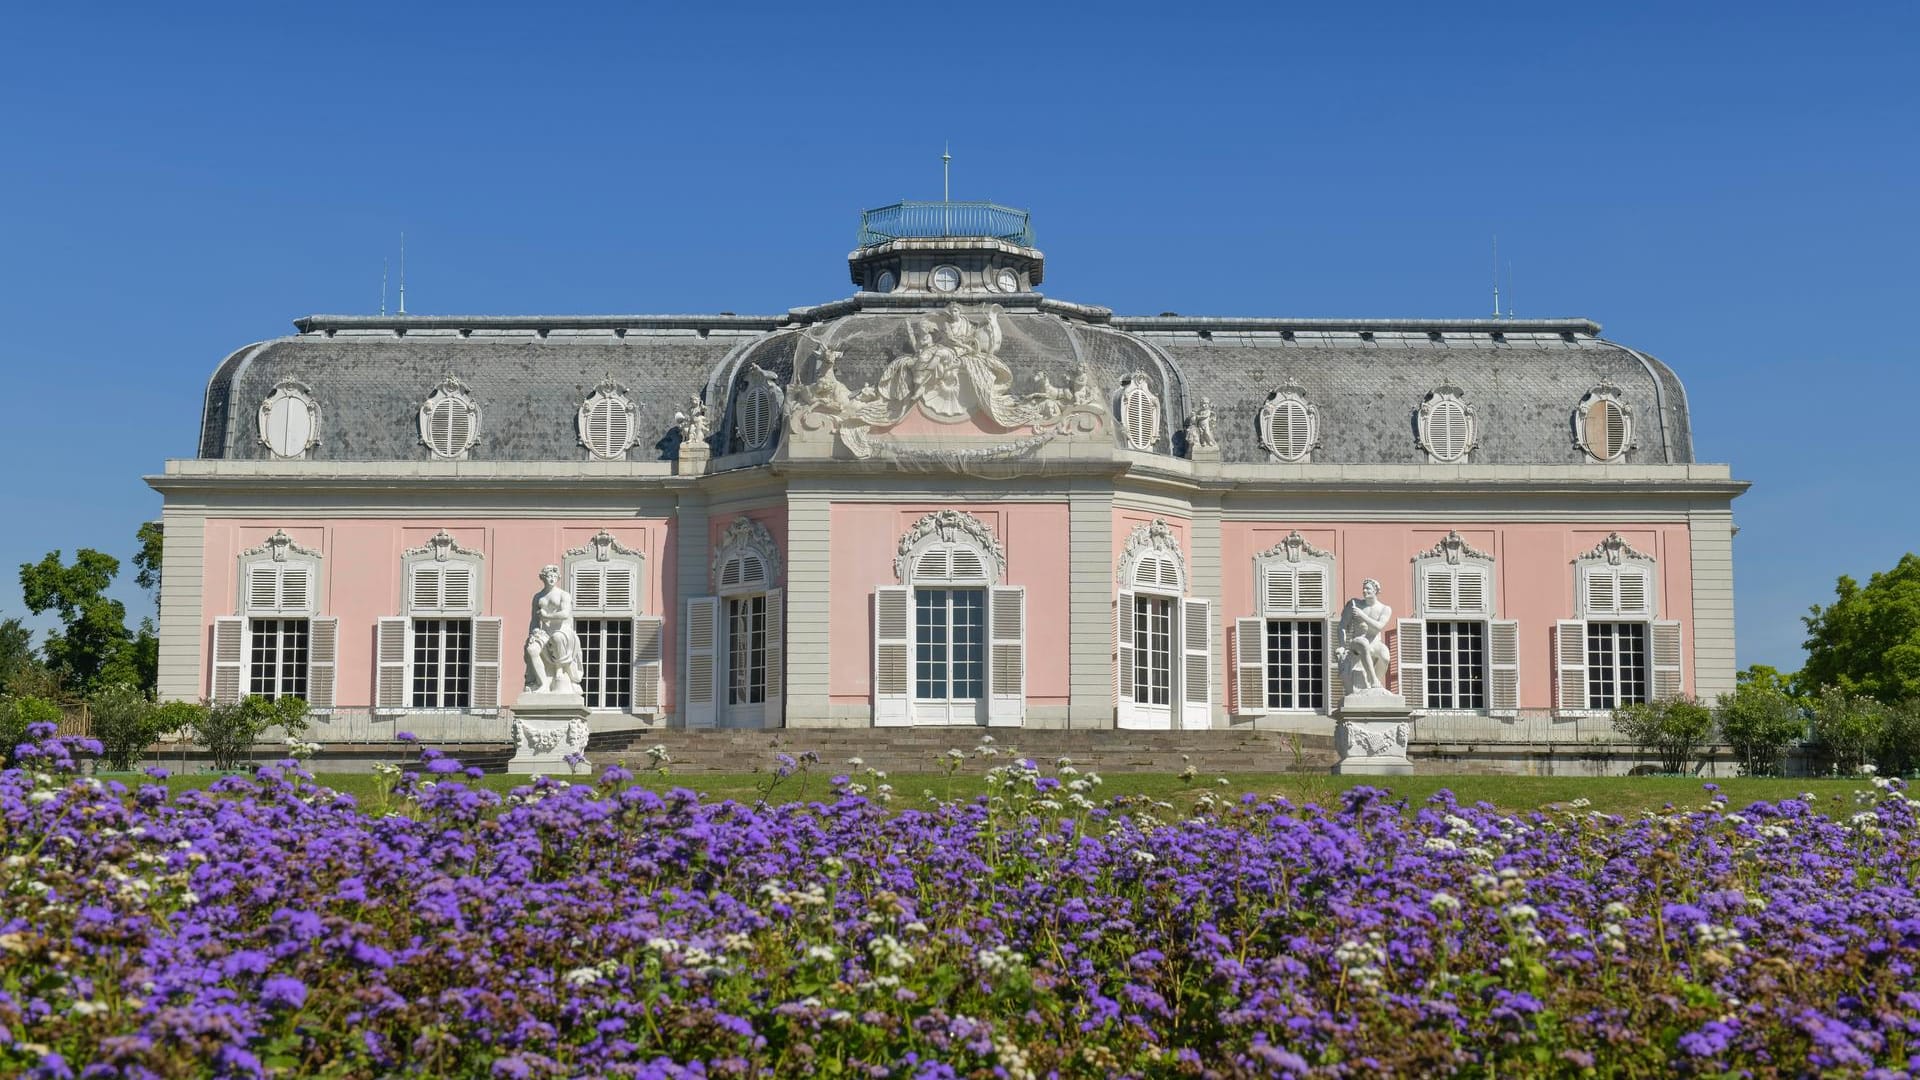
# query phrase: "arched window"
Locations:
[[1163, 658], [449, 420], [289, 421], [607, 422], [620, 647], [1139, 412], [1446, 426], [1603, 425], [1284, 654], [1617, 651], [440, 654], [950, 639], [277, 644], [757, 409], [736, 655], [1453, 655], [1289, 426]]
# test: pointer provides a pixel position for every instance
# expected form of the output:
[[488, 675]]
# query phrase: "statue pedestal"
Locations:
[[694, 459], [1371, 734], [546, 728]]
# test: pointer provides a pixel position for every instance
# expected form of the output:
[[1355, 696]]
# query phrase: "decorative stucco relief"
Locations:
[[1156, 536], [1293, 549], [745, 533], [278, 546], [1451, 549], [441, 547], [950, 526], [603, 546], [1613, 551]]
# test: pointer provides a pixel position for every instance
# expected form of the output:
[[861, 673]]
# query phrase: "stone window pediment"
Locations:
[[1152, 561], [948, 546], [1454, 579], [279, 577], [605, 576], [746, 559], [442, 578]]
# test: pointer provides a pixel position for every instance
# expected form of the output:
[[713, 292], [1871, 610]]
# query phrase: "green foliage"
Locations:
[[1868, 639], [1846, 728], [1673, 730], [147, 560], [229, 731], [16, 652], [1897, 751], [1760, 721], [16, 712], [91, 648], [126, 722]]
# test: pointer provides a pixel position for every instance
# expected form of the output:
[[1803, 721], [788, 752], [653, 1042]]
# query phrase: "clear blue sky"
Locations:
[[1730, 187]]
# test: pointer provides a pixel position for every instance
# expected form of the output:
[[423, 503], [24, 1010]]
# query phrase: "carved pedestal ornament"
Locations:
[[1373, 724], [550, 717], [953, 372]]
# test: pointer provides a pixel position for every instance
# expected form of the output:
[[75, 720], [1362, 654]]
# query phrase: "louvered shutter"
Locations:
[[1250, 667], [1336, 686], [322, 663], [649, 651], [1570, 665], [1410, 661], [1472, 591], [934, 565], [892, 656], [702, 634], [1667, 680], [776, 658], [487, 649], [588, 587], [229, 679], [1311, 590], [1439, 597], [392, 643], [1602, 591], [1007, 656], [296, 589], [1636, 592], [459, 426], [967, 565], [426, 588], [456, 589], [617, 592], [263, 588], [1277, 589], [1503, 653], [1196, 676], [1123, 659]]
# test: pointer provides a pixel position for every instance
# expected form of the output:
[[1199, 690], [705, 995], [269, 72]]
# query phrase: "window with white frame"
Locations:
[[1139, 411], [289, 420], [735, 639], [1617, 651], [1603, 425], [1446, 425], [277, 645], [949, 640], [757, 408], [1454, 655], [1284, 652], [1289, 426], [607, 422], [450, 420], [1163, 638], [620, 656], [442, 654]]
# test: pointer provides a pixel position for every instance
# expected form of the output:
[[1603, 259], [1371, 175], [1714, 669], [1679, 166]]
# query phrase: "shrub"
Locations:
[[1897, 752], [228, 731], [16, 714], [1760, 721], [126, 723], [1846, 728], [1673, 730]]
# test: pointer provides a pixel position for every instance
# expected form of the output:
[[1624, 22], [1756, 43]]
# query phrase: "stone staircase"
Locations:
[[920, 750]]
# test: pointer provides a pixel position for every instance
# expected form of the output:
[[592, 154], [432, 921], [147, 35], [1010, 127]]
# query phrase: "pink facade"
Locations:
[[361, 576]]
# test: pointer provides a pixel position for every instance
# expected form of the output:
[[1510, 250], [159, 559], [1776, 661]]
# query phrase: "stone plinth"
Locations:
[[1371, 735], [546, 728]]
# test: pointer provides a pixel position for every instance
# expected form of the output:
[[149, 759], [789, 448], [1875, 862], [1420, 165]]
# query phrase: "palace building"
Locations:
[[946, 499]]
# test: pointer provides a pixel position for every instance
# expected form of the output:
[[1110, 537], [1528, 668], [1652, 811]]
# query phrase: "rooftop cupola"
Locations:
[[946, 249]]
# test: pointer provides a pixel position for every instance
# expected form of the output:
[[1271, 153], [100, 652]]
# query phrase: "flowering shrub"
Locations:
[[272, 926]]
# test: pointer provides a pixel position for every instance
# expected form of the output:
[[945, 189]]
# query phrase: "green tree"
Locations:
[[1673, 730], [1868, 639], [229, 731], [1897, 752], [93, 646], [126, 722], [1760, 720], [147, 560], [16, 651], [1846, 728], [16, 713]]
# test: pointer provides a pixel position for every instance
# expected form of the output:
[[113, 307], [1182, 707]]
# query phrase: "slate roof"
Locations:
[[529, 375]]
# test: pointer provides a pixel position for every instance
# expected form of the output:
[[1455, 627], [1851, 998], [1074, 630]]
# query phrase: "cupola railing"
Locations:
[[927, 220]]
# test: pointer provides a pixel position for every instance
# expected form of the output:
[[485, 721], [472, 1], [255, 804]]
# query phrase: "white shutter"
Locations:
[[1667, 681], [1336, 686], [487, 648], [1438, 596], [1123, 659], [1503, 652], [1602, 596], [1570, 665], [392, 643], [1636, 592], [1277, 589], [1311, 590], [426, 588], [322, 663], [776, 659], [1196, 677], [649, 639], [229, 681], [296, 589], [617, 587], [1410, 659], [456, 589], [1007, 655], [892, 656], [702, 633], [1250, 667], [967, 566], [1471, 589], [587, 591], [263, 588]]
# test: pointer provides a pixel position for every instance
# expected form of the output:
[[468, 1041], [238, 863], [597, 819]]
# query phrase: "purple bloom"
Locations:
[[284, 991]]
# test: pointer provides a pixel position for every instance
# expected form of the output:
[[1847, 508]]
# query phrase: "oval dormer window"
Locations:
[[450, 421], [1139, 412], [1289, 426], [754, 417], [1604, 425], [1446, 426], [606, 423], [289, 421]]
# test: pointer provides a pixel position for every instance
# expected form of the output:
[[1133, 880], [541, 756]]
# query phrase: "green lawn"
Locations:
[[1618, 795]]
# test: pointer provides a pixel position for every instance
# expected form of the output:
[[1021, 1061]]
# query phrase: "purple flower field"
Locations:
[[271, 926]]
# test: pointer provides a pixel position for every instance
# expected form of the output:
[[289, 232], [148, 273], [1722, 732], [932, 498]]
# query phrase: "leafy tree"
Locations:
[[1760, 720], [229, 731], [126, 723], [1673, 730], [1898, 750], [16, 651], [1846, 728], [16, 713], [1868, 639], [147, 560], [93, 647]]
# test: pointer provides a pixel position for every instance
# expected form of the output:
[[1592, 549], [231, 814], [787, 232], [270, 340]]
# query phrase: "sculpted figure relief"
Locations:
[[553, 649], [1363, 654]]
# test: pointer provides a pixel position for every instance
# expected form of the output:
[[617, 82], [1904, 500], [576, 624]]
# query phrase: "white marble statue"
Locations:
[[553, 649], [695, 424], [1363, 654], [1200, 434]]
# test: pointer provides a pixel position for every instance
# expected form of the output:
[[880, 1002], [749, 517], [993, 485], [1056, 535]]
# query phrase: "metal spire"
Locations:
[[1496, 275], [383, 284], [946, 173], [403, 273]]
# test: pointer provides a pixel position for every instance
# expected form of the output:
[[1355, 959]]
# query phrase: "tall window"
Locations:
[[949, 638], [606, 578], [1283, 651], [442, 653], [1297, 664], [442, 663], [277, 658], [1616, 664], [1456, 665], [1163, 637], [1153, 650], [277, 645], [1454, 654], [747, 650], [606, 661], [1616, 652]]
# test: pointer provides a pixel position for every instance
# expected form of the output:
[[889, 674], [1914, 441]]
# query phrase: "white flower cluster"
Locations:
[[890, 953], [1000, 960], [1363, 960]]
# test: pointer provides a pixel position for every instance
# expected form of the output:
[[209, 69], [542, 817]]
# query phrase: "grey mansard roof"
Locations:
[[1523, 378]]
